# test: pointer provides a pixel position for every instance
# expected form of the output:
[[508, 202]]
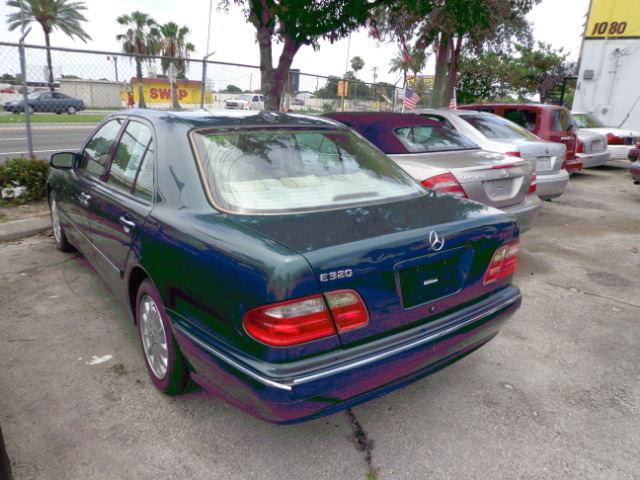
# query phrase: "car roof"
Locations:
[[378, 127], [211, 118], [542, 106]]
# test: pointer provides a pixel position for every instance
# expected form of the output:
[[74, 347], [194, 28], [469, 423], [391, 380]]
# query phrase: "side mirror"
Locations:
[[64, 160]]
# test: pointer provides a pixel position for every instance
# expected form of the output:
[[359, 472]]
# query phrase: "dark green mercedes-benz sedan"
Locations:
[[281, 259]]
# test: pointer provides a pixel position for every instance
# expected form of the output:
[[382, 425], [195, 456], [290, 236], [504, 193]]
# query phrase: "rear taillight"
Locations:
[[515, 154], [445, 183], [503, 263], [304, 319], [614, 140], [534, 183], [580, 148]]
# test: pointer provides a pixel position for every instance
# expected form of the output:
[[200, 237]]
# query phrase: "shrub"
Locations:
[[24, 172]]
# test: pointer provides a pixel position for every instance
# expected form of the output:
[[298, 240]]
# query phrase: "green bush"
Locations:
[[24, 172]]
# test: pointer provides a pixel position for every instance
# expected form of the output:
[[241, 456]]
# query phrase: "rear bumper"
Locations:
[[551, 185], [301, 390], [635, 172], [590, 160], [573, 165], [526, 212], [619, 151]]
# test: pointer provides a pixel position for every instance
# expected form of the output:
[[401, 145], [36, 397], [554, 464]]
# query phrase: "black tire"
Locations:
[[71, 110], [59, 236], [165, 363]]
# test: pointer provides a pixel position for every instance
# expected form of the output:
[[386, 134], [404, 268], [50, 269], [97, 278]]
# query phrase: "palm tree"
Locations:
[[357, 64], [175, 49], [400, 63], [50, 14], [141, 39]]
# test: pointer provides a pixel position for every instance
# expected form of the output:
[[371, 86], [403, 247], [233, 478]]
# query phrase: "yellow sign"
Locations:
[[158, 90], [343, 86], [614, 19]]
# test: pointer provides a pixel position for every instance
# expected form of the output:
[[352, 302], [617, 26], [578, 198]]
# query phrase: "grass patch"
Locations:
[[51, 118]]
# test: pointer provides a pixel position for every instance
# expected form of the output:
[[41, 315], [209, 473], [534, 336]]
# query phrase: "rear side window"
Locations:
[[135, 149], [527, 118], [288, 171]]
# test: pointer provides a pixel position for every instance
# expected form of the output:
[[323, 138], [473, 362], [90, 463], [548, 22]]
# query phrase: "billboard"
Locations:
[[613, 19]]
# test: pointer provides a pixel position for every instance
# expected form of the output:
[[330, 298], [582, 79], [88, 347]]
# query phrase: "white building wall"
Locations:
[[609, 78], [612, 93]]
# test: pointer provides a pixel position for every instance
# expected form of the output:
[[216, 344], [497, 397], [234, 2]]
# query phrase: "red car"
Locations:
[[549, 122]]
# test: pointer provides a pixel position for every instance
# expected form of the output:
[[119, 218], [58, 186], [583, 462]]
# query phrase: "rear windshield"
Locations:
[[428, 138], [587, 121], [526, 118], [492, 126], [287, 171]]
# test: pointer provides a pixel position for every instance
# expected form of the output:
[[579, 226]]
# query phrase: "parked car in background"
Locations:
[[592, 148], [497, 134], [279, 259], [247, 101], [442, 159], [549, 122], [635, 172], [48, 102], [620, 140], [634, 153]]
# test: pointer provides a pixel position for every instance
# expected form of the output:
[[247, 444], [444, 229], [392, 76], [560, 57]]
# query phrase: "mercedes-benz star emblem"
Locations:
[[436, 239]]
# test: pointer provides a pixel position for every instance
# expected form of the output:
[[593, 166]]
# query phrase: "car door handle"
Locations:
[[84, 198], [127, 224]]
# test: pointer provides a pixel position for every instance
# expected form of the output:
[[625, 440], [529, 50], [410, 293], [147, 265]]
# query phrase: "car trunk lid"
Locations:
[[546, 157], [410, 261], [486, 177]]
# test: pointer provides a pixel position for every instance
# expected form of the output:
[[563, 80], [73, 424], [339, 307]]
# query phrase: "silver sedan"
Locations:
[[442, 159], [592, 148], [497, 134]]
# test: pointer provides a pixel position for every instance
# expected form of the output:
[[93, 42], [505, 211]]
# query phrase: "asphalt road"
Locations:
[[46, 139], [555, 396]]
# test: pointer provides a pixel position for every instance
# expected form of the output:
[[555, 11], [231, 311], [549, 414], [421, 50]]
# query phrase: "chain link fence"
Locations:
[[65, 102]]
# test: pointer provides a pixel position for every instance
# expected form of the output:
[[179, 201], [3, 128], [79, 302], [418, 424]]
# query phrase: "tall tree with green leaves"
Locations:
[[452, 27], [64, 15], [175, 48], [141, 39], [525, 73], [295, 23]]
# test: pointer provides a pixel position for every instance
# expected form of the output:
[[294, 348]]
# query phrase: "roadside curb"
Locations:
[[24, 228]]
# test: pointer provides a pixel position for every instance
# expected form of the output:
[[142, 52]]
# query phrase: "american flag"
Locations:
[[411, 98], [405, 51], [453, 105]]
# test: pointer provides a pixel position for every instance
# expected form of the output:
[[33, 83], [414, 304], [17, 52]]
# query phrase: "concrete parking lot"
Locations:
[[555, 396]]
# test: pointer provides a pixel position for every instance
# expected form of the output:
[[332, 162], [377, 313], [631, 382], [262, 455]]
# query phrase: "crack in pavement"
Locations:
[[38, 268], [363, 444], [585, 292]]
